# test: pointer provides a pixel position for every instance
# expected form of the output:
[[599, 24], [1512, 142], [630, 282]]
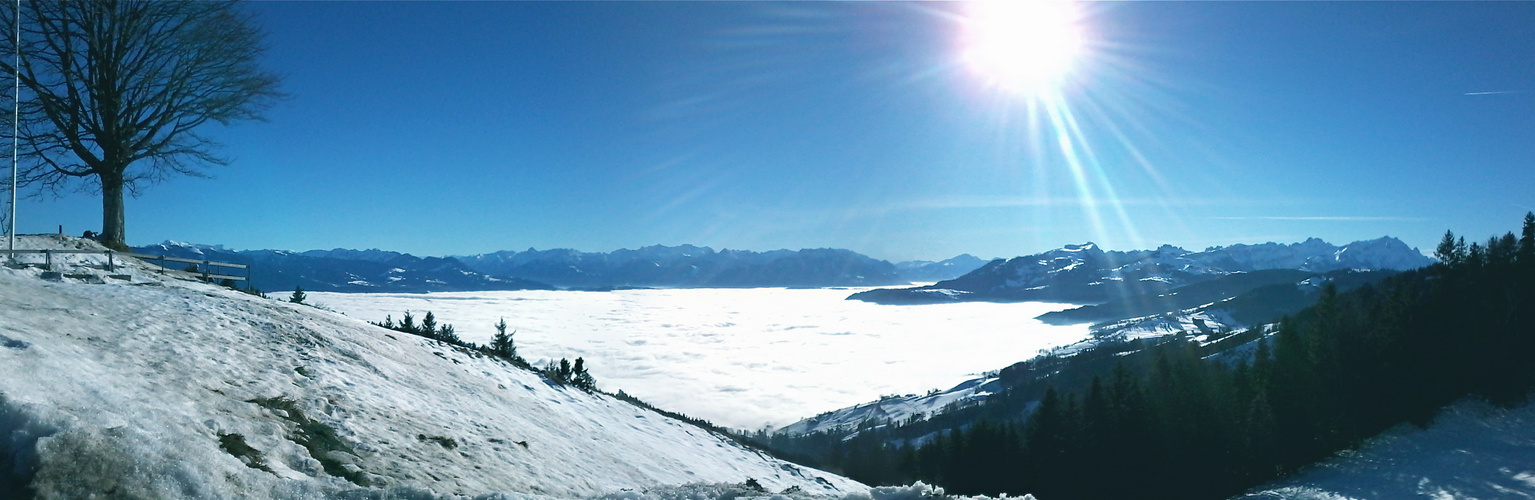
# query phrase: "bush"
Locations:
[[564, 374]]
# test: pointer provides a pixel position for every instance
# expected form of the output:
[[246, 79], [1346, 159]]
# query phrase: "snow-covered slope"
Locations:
[[1471, 451], [154, 387], [894, 409]]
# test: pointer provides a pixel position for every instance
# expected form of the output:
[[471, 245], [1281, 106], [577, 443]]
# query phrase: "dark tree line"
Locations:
[[1174, 420]]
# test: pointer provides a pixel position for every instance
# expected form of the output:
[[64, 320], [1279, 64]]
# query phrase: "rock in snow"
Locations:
[[156, 387]]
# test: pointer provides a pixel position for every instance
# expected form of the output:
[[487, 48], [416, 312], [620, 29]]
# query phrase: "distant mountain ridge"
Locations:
[[1088, 274], [345, 270], [922, 270], [690, 266]]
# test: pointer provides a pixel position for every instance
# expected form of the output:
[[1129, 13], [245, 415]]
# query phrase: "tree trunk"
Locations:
[[113, 233]]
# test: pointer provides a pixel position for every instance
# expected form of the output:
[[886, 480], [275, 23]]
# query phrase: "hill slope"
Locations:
[[1471, 451], [154, 387]]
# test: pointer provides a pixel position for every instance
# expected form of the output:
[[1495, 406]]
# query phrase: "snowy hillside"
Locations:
[[1470, 451], [894, 408], [148, 386]]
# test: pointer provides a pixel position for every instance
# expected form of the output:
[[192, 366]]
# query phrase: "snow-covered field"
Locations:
[[147, 386], [742, 358]]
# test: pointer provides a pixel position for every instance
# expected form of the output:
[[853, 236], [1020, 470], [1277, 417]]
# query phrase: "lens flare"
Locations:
[[1024, 46], [1062, 95]]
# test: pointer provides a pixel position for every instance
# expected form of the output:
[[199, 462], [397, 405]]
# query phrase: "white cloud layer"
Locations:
[[742, 358]]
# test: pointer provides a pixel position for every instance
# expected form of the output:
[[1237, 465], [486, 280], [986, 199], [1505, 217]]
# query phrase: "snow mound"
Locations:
[[151, 386]]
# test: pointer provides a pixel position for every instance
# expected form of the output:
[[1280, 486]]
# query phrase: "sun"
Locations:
[[1025, 46]]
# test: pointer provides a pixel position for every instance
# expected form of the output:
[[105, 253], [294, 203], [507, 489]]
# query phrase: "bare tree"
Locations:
[[113, 92]]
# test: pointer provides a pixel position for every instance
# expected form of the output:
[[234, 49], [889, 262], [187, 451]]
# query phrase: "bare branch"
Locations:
[[114, 91]]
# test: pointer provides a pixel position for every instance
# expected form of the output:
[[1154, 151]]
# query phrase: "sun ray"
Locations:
[[1022, 46]]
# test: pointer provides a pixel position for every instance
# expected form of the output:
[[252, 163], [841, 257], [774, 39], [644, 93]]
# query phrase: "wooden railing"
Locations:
[[205, 267]]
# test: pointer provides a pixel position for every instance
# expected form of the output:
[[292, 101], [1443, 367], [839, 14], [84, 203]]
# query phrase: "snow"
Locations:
[[128, 386], [1471, 451], [742, 358], [894, 408], [1201, 320]]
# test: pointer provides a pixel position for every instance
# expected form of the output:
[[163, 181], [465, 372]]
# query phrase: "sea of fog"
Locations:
[[743, 358]]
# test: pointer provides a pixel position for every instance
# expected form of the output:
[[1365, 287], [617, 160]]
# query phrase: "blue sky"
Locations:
[[441, 128]]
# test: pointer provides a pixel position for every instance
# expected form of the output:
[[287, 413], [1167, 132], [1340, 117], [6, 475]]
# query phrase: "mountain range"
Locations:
[[1087, 274], [689, 266], [344, 270]]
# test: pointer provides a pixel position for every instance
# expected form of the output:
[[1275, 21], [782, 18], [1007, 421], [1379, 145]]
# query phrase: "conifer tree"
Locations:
[[429, 325], [1527, 240], [580, 378], [298, 295], [1446, 252], [501, 344], [408, 324], [447, 334]]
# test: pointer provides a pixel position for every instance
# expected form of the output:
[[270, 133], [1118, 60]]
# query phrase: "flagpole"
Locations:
[[15, 129]]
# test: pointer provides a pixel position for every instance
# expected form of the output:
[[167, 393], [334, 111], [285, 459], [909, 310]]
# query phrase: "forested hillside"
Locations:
[[1196, 417]]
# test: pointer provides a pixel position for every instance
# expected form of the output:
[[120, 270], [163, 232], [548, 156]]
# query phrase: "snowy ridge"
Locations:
[[893, 409], [137, 386], [1207, 321]]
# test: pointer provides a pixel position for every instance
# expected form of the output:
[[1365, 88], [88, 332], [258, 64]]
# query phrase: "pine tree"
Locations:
[[501, 345], [1527, 240], [408, 324], [447, 334], [429, 325], [560, 372], [298, 295], [1446, 252], [581, 378]]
